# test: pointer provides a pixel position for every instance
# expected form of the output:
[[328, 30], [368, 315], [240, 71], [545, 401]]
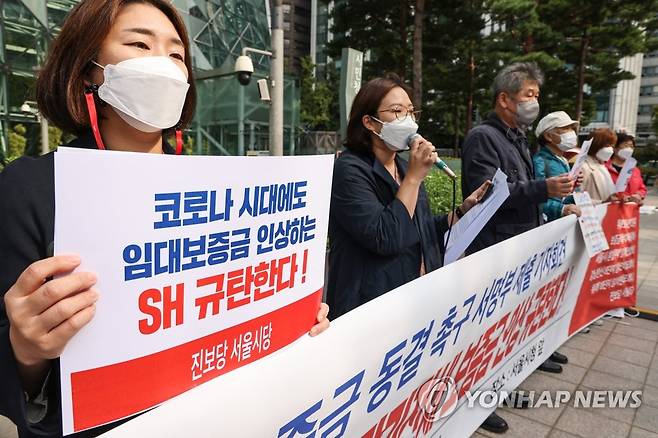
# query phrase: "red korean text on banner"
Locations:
[[611, 278]]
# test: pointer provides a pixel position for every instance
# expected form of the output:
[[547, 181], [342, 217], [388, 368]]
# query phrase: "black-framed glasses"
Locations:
[[402, 113]]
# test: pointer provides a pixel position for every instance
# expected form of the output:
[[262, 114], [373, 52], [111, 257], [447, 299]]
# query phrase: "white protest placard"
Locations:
[[590, 224], [625, 175], [470, 225], [582, 155], [204, 264]]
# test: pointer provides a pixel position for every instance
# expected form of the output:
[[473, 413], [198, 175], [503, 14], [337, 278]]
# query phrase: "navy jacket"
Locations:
[[493, 145], [375, 246], [27, 227]]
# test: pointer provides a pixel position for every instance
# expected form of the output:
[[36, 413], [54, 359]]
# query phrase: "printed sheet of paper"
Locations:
[[469, 226], [582, 155], [590, 224], [625, 175]]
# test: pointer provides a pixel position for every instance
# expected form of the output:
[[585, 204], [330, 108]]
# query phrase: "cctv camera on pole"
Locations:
[[244, 68]]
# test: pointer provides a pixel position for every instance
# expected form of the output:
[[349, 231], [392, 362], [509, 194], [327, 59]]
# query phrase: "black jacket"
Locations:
[[374, 245], [493, 145], [27, 227]]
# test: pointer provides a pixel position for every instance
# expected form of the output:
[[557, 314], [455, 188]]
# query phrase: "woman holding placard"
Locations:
[[119, 77]]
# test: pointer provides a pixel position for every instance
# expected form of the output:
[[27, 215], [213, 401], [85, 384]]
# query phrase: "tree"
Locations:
[[316, 100], [576, 46], [419, 17], [378, 28]]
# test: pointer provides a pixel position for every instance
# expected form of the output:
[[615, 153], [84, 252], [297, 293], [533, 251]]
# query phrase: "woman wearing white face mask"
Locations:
[[556, 134], [118, 77], [381, 231], [636, 191], [596, 178]]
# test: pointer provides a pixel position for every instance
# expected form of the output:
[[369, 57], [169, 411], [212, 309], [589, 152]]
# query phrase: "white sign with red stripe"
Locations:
[[204, 264]]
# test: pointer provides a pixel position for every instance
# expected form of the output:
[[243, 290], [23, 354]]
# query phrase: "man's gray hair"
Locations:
[[511, 78]]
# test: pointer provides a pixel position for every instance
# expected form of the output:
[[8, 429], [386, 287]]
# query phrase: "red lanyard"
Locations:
[[93, 119]]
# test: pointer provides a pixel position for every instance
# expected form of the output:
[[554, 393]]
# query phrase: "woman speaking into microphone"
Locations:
[[382, 233]]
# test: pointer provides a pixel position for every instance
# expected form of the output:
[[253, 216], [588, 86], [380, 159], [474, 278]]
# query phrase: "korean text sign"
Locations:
[[205, 264]]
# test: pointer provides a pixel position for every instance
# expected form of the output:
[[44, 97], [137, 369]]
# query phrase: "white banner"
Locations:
[[485, 322], [204, 264]]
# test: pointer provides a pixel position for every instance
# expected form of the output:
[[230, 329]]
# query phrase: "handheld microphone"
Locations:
[[439, 162]]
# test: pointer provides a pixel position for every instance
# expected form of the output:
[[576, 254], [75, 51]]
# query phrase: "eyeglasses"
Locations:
[[402, 113]]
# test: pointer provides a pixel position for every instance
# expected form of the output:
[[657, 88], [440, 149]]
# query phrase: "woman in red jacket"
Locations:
[[636, 191]]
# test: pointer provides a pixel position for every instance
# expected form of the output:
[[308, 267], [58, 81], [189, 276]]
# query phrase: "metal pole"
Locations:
[[45, 143], [252, 136], [293, 116], [276, 73], [240, 121]]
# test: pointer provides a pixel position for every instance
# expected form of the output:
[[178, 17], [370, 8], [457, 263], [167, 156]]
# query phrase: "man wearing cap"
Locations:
[[556, 135]]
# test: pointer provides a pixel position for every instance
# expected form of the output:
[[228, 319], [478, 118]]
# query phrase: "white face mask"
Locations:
[[396, 134], [605, 154], [625, 153], [568, 140], [147, 92]]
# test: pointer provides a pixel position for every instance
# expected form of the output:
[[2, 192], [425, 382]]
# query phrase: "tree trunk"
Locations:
[[529, 44], [584, 47], [402, 62], [471, 90], [419, 17]]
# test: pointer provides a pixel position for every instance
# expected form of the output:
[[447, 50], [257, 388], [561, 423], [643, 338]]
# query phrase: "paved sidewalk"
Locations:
[[618, 355]]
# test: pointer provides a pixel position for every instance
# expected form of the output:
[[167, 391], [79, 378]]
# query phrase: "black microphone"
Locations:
[[438, 163]]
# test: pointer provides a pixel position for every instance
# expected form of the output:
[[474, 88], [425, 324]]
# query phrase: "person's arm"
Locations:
[[553, 207], [479, 163], [43, 305], [19, 245]]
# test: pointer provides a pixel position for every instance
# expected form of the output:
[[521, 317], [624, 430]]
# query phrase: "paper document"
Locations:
[[469, 226], [625, 175], [590, 225], [582, 155]]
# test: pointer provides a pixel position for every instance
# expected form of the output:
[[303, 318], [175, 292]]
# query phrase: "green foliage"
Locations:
[[439, 192], [55, 136], [645, 154], [316, 100], [17, 142]]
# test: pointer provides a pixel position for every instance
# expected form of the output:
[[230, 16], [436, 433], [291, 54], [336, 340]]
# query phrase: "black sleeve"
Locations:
[[382, 229], [479, 163], [26, 228], [441, 224]]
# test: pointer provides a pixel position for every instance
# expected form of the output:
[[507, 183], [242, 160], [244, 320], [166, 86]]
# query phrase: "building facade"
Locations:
[[219, 30]]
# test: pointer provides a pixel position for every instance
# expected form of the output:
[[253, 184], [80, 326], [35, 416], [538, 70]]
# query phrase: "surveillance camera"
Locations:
[[244, 68]]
